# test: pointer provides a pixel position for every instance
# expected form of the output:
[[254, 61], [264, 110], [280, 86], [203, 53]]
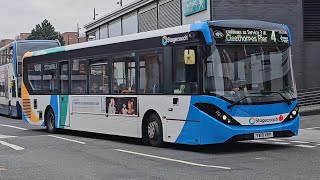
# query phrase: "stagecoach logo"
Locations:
[[218, 34], [254, 121], [167, 40]]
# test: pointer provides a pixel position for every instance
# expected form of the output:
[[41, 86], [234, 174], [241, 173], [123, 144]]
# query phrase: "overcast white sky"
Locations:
[[18, 16]]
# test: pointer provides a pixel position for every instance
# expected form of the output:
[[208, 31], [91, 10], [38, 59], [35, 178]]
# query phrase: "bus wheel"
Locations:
[[50, 121], [154, 131]]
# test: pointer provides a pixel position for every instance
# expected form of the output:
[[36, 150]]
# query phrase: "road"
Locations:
[[29, 152]]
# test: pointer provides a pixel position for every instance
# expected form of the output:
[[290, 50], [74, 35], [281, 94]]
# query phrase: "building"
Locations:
[[302, 17], [72, 38], [4, 42], [23, 36]]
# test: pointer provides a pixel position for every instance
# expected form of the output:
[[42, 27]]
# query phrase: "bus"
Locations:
[[203, 83], [11, 72]]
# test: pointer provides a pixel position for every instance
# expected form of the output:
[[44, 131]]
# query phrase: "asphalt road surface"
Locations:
[[29, 152]]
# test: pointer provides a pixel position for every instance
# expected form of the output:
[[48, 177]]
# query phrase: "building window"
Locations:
[[79, 76], [311, 20], [150, 78]]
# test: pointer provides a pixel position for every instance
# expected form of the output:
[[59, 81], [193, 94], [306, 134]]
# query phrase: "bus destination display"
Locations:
[[247, 36]]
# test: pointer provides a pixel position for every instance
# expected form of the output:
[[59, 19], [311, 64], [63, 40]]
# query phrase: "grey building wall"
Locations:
[[115, 28], [288, 12], [130, 23]]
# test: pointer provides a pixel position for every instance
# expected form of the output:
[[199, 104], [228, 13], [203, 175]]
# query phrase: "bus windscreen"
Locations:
[[24, 47]]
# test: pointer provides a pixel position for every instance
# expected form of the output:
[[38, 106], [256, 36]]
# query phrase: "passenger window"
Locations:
[[79, 76], [185, 77], [50, 78], [123, 80], [99, 79], [150, 78], [34, 76]]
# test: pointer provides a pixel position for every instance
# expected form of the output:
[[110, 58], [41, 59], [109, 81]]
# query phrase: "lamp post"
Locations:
[[94, 14], [120, 2]]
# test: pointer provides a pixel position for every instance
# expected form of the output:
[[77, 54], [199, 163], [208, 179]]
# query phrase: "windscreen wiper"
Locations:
[[237, 102], [274, 92]]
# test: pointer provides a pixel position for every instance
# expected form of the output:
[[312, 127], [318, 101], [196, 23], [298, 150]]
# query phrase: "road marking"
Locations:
[[6, 137], [15, 147], [18, 122], [258, 141], [306, 146], [2, 168], [15, 127], [313, 128], [301, 142], [173, 160], [281, 143], [67, 139], [278, 140]]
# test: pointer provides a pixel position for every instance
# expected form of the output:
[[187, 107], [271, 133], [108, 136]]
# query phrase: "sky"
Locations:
[[21, 16]]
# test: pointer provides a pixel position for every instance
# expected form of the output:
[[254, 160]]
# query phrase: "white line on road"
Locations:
[[301, 142], [305, 146], [15, 127], [15, 147], [281, 143], [313, 128], [258, 141], [67, 139], [277, 140], [5, 136], [173, 160]]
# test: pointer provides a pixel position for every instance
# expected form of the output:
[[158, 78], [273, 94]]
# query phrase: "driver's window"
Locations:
[[185, 77]]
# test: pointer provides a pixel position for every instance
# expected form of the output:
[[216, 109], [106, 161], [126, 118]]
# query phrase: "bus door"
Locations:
[[185, 85], [64, 91]]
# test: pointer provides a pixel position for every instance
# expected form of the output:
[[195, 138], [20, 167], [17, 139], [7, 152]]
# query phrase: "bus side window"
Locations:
[[185, 77], [79, 76], [151, 73]]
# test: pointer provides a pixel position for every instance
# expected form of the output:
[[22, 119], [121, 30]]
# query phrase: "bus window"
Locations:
[[124, 75], [150, 74], [99, 80], [185, 77], [79, 76], [49, 78], [34, 76]]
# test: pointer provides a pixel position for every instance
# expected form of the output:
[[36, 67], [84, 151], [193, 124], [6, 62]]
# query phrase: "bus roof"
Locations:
[[200, 26], [24, 41]]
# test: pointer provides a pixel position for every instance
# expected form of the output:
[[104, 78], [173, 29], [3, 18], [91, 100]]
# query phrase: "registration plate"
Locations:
[[263, 135]]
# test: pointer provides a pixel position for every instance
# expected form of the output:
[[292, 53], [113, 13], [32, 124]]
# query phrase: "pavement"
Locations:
[[29, 152]]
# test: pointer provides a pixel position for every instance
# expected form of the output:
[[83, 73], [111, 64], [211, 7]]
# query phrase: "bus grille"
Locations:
[[26, 107]]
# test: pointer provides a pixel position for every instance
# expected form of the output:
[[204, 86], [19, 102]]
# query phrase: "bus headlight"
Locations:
[[216, 113], [224, 117], [294, 112]]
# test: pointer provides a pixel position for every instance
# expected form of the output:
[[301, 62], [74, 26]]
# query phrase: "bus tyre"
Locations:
[[154, 131], [50, 121]]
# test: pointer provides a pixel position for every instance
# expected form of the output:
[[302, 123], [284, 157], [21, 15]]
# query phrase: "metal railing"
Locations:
[[309, 97]]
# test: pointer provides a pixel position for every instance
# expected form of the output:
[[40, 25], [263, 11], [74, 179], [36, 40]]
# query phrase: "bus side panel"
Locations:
[[32, 105], [88, 113], [173, 116]]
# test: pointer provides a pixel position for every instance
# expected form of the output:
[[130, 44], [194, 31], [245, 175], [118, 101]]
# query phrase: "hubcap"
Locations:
[[51, 121], [152, 129]]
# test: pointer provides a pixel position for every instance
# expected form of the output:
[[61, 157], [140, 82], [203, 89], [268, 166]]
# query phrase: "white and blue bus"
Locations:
[[11, 72], [203, 83]]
